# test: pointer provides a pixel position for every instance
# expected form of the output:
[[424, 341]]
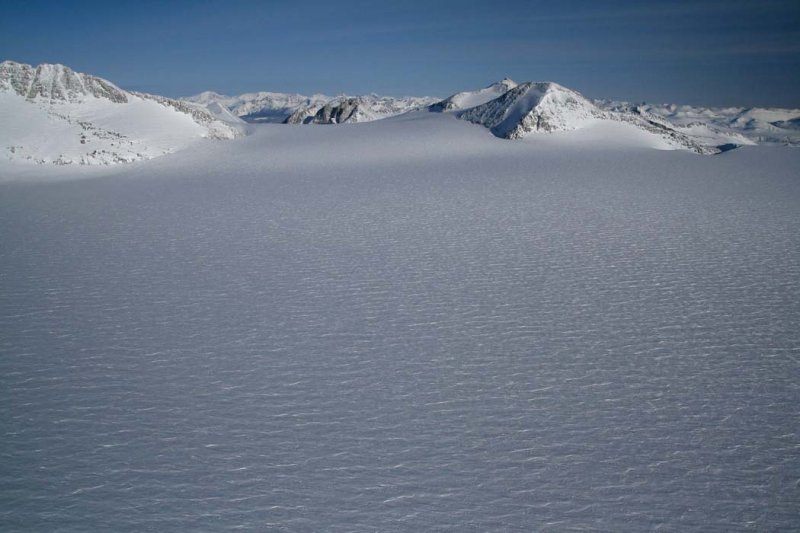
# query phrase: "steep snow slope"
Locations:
[[223, 113], [405, 325], [467, 99], [51, 114]]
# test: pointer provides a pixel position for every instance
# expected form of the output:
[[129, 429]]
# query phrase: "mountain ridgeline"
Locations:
[[54, 115], [513, 111]]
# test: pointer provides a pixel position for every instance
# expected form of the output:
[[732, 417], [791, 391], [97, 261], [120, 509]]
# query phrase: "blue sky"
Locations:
[[704, 52]]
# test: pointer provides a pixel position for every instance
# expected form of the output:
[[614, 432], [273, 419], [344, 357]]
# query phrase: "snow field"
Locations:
[[404, 325]]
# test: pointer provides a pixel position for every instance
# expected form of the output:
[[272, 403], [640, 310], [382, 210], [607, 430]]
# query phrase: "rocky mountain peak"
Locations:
[[56, 83]]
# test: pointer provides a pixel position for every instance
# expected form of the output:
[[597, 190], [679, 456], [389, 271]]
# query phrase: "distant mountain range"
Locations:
[[316, 109], [260, 106], [688, 125], [53, 115]]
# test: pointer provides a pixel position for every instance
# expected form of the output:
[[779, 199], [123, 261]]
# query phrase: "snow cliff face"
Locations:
[[52, 114], [467, 99]]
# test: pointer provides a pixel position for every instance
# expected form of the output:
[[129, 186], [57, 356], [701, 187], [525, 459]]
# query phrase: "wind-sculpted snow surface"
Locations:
[[406, 326]]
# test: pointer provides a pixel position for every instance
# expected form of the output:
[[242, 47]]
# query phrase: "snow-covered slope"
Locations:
[[705, 132], [388, 106], [223, 113], [547, 107], [534, 107], [405, 325], [742, 125], [51, 114], [467, 99]]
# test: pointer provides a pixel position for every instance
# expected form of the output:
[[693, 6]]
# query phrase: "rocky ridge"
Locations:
[[54, 115]]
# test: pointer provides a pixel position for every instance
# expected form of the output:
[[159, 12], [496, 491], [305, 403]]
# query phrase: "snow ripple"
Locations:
[[434, 349]]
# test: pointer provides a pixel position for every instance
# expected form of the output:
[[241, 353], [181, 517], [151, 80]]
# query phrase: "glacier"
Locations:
[[403, 325]]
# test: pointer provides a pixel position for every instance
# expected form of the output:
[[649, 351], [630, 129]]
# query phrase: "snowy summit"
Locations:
[[52, 114]]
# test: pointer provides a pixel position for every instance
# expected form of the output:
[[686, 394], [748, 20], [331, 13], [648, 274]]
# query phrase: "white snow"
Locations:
[[735, 125], [298, 109], [467, 99], [261, 106], [95, 131], [52, 115], [407, 324], [534, 107], [403, 325]]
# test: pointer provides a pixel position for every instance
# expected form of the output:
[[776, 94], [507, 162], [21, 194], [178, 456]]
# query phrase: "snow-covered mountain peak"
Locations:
[[546, 107], [208, 97], [52, 114], [505, 83], [534, 107], [56, 83], [468, 99]]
